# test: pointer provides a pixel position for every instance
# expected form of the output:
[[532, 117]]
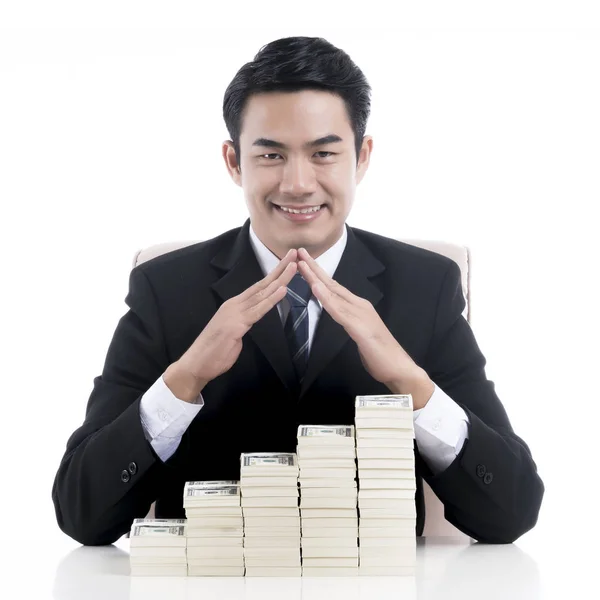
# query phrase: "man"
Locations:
[[229, 344]]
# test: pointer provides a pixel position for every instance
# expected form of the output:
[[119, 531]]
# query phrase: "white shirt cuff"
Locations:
[[165, 418], [441, 428]]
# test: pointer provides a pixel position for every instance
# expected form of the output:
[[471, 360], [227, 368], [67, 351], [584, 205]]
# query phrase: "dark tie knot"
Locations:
[[299, 292]]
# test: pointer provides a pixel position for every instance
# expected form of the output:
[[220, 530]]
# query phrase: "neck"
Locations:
[[315, 250]]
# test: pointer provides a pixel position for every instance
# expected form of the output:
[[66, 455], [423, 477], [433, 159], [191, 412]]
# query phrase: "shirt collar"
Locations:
[[328, 261]]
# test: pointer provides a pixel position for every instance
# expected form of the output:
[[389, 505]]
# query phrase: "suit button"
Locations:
[[481, 470], [488, 478], [125, 477], [132, 468]]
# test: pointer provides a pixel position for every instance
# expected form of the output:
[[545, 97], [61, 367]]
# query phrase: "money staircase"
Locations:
[[342, 505]]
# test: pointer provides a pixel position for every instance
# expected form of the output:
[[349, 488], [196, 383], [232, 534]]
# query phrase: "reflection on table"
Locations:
[[448, 568]]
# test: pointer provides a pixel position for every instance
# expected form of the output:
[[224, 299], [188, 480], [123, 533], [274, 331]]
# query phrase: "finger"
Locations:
[[257, 311], [291, 256], [303, 255], [333, 286], [260, 294], [343, 312], [308, 273], [346, 309]]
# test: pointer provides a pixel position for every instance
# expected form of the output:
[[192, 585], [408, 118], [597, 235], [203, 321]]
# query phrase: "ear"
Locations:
[[231, 163], [364, 157]]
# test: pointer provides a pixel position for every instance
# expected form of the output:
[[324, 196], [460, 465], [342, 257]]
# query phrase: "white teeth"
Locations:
[[301, 212]]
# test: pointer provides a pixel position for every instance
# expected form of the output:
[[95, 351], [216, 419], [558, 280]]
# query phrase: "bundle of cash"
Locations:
[[158, 547], [215, 528], [328, 494], [386, 480], [269, 488]]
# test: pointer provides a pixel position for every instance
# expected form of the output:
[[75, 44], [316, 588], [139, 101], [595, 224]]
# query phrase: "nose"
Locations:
[[298, 178]]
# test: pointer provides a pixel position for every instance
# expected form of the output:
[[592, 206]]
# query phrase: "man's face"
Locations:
[[280, 166]]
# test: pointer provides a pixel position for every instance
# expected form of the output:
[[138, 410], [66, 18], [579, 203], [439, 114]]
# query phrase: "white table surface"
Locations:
[[448, 568]]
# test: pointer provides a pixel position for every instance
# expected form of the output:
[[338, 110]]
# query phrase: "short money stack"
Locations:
[[215, 528], [157, 547], [269, 485], [386, 476], [328, 494]]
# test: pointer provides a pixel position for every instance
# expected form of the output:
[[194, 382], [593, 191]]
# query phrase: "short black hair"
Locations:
[[299, 63]]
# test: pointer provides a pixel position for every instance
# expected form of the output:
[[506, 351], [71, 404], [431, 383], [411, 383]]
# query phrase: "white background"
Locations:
[[486, 128]]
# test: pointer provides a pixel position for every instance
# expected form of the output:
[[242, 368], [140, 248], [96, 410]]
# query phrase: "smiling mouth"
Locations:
[[304, 211]]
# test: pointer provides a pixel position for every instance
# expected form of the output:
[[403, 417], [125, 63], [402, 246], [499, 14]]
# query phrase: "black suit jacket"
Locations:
[[110, 474]]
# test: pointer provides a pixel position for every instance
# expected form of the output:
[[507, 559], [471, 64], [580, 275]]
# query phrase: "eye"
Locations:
[[322, 152]]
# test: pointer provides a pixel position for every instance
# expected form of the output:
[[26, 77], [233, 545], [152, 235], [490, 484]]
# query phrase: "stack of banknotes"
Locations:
[[269, 487], [158, 547], [328, 494], [386, 476], [343, 504], [215, 528]]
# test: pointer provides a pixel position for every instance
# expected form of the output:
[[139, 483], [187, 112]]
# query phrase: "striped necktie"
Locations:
[[296, 324]]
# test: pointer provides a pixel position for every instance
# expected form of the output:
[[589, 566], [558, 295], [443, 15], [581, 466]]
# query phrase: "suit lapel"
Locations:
[[356, 266], [242, 271]]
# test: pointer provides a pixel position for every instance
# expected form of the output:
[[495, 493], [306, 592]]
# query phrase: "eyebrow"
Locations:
[[328, 139]]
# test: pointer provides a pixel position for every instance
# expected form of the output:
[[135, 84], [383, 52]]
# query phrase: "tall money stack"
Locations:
[[215, 528], [269, 487], [158, 547], [386, 476], [328, 495]]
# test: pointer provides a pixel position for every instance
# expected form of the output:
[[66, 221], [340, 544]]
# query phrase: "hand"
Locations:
[[217, 348], [381, 355]]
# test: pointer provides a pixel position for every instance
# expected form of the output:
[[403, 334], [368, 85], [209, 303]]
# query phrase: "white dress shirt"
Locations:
[[441, 427]]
